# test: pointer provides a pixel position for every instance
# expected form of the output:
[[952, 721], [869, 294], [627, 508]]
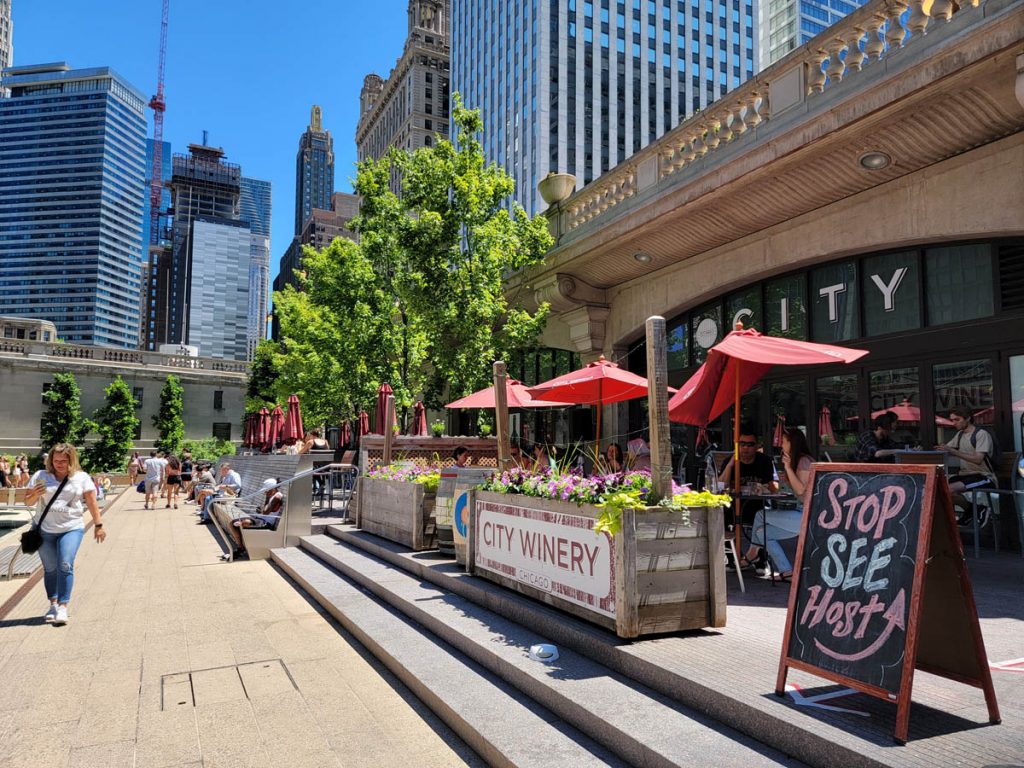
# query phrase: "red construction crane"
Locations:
[[158, 106]]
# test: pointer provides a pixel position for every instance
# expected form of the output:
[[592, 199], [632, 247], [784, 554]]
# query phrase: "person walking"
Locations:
[[154, 467], [64, 492], [173, 480], [134, 465]]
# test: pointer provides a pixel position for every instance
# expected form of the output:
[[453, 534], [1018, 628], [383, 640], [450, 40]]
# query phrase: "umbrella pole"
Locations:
[[738, 519]]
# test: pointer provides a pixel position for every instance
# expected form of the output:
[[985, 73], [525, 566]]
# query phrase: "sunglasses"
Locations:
[[747, 444]]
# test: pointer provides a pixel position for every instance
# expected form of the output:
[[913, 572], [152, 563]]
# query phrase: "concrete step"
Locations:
[[502, 725], [652, 662], [637, 724]]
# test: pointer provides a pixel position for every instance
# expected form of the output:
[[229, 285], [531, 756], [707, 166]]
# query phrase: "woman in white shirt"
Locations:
[[63, 527]]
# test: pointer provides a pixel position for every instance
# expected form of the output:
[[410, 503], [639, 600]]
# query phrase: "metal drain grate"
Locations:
[[222, 684]]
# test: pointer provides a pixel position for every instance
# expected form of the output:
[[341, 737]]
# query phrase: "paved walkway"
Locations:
[[172, 658]]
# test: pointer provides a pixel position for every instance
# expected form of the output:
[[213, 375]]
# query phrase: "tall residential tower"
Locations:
[[314, 170], [73, 164], [576, 86], [254, 209]]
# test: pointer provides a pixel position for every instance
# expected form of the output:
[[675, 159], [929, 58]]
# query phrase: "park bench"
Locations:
[[295, 513]]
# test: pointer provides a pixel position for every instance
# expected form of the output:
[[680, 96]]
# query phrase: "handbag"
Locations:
[[32, 539], [141, 487]]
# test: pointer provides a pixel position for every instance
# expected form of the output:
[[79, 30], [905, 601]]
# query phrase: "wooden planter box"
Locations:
[[657, 575], [397, 511]]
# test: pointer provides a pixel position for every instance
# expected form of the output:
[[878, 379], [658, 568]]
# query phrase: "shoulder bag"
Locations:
[[32, 539]]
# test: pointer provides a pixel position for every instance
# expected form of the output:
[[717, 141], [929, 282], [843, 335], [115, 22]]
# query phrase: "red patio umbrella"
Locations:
[[382, 406], [599, 383], [275, 430], [346, 434], [293, 432], [736, 364], [247, 435], [516, 394], [364, 423], [419, 419], [907, 413], [262, 428]]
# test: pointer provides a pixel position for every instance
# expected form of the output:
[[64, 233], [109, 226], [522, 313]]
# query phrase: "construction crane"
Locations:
[[158, 105]]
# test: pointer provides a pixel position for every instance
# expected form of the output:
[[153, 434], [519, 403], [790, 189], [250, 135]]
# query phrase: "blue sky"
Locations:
[[247, 71]]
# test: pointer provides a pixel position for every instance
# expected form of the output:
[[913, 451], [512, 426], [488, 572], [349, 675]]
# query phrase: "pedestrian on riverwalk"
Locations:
[[63, 527]]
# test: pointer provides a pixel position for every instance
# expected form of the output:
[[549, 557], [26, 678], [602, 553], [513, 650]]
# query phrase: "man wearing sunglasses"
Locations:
[[755, 467]]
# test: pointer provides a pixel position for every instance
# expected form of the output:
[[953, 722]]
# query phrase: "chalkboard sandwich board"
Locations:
[[880, 587]]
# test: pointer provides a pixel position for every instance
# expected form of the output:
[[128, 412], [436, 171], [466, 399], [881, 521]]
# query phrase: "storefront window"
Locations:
[[837, 420], [1017, 399], [678, 347], [892, 300], [834, 302], [744, 307], [786, 307], [966, 384], [898, 390], [959, 283], [706, 330], [788, 403]]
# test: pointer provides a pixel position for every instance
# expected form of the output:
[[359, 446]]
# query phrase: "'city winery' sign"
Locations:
[[549, 551], [880, 586]]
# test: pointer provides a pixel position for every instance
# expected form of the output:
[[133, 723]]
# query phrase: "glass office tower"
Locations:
[[787, 24], [314, 170], [577, 86], [72, 178], [254, 209]]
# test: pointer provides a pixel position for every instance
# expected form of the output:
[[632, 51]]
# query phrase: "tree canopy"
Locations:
[[62, 418], [168, 420], [116, 424], [419, 301]]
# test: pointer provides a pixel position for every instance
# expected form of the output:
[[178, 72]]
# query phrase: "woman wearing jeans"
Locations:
[[63, 527]]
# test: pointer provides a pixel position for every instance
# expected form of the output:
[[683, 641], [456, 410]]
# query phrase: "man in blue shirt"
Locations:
[[230, 485]]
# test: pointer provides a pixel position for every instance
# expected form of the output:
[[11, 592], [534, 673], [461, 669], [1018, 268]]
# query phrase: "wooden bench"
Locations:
[[295, 514]]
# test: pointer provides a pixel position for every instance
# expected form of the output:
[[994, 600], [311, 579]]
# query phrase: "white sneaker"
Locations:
[[61, 616], [51, 614]]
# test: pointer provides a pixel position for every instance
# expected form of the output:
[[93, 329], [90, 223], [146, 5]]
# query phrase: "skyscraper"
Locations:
[[577, 86], [6, 41], [314, 170], [202, 184], [410, 108], [787, 24], [153, 243], [73, 161], [254, 206], [218, 310]]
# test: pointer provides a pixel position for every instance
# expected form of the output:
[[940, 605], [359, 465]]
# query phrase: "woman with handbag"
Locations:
[[66, 491]]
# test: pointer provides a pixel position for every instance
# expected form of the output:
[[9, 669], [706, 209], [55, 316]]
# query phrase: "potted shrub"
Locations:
[[397, 503], [437, 428], [595, 547]]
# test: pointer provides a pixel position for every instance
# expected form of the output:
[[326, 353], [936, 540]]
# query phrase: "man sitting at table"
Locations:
[[875, 444], [973, 447], [756, 471]]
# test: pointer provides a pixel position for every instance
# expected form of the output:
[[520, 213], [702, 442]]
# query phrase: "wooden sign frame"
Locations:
[[943, 635]]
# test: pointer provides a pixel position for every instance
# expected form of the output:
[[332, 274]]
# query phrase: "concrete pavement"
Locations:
[[172, 658]]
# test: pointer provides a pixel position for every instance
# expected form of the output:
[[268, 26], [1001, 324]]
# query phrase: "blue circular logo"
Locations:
[[461, 523]]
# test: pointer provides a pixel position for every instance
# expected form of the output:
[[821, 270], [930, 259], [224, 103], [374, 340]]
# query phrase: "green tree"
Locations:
[[168, 420], [260, 388], [116, 423], [62, 419]]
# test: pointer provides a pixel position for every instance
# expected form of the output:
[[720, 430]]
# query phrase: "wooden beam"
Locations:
[[657, 410], [501, 416]]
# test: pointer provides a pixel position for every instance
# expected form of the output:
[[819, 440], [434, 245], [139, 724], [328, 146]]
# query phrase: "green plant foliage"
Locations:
[[610, 520], [437, 428], [62, 420], [168, 420], [260, 388], [116, 424], [210, 449]]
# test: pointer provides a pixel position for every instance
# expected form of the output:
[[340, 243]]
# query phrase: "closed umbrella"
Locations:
[[516, 394], [249, 429], [825, 433], [262, 429], [780, 427], [382, 407], [736, 364], [346, 434], [364, 423], [275, 430], [293, 432], [419, 419], [599, 383]]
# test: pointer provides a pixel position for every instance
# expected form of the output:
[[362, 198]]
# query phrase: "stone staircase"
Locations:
[[462, 646]]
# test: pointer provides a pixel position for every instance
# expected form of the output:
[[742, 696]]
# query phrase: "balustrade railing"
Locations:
[[860, 40], [126, 356]]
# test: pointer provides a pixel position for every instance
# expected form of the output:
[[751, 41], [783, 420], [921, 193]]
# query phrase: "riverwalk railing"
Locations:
[[857, 42]]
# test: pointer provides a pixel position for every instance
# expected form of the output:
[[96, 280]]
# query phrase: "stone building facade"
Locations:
[[214, 398], [410, 109]]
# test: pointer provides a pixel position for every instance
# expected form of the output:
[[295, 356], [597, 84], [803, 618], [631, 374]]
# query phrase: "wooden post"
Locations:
[[501, 416], [657, 410], [389, 431]]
